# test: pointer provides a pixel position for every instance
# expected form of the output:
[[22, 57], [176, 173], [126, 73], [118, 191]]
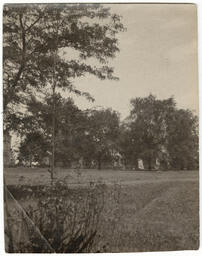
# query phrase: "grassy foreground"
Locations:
[[159, 211]]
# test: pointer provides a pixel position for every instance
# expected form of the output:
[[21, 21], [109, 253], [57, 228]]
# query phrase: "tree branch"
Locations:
[[33, 23], [22, 64]]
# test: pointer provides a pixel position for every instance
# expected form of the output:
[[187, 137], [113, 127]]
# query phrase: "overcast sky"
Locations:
[[158, 55]]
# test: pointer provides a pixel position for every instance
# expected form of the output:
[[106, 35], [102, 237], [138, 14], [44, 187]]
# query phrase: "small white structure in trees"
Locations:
[[140, 164]]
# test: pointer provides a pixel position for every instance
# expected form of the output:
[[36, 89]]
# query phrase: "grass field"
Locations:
[[160, 210], [40, 176]]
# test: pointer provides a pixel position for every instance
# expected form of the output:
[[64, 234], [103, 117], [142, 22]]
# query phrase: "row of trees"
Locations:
[[156, 132], [91, 134], [36, 69]]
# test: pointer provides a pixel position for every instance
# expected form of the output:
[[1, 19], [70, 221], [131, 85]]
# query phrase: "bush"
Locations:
[[63, 219]]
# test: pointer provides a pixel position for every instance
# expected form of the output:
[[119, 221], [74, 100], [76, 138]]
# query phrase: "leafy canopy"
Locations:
[[36, 35]]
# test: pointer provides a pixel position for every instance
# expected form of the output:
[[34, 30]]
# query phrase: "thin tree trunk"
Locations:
[[53, 174], [125, 163], [30, 160], [54, 84], [53, 171], [149, 163], [99, 163]]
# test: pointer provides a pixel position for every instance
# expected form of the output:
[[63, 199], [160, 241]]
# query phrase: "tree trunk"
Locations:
[[125, 163], [136, 164], [149, 163], [54, 84], [53, 174], [99, 163], [30, 160], [53, 171]]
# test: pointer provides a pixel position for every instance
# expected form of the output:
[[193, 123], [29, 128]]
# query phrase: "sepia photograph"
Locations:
[[100, 127]]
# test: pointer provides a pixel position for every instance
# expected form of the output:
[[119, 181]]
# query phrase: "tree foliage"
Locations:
[[91, 135], [102, 135], [183, 140], [39, 121], [156, 129], [33, 148], [35, 36]]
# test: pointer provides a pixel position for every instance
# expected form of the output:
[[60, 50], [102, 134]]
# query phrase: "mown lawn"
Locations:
[[158, 210], [161, 217], [41, 176]]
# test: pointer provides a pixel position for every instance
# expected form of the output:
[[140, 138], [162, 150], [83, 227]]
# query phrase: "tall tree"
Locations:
[[103, 133], [127, 146], [183, 140], [69, 128], [90, 29], [149, 127], [35, 35], [158, 130], [33, 148]]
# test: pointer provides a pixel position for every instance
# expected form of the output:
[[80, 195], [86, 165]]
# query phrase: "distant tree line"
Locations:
[[156, 132]]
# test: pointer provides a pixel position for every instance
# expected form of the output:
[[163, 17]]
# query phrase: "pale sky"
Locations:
[[158, 55]]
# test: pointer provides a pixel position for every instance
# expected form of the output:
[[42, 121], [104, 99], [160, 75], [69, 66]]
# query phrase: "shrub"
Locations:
[[65, 220]]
